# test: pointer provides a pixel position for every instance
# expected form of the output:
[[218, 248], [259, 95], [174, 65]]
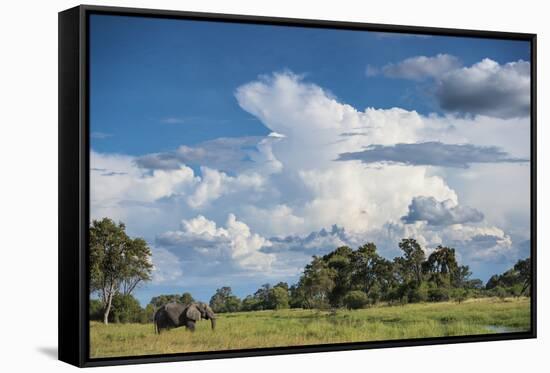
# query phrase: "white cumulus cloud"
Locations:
[[234, 245], [421, 67], [213, 184]]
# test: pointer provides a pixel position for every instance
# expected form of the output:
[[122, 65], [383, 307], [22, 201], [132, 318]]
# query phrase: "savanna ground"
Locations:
[[297, 327]]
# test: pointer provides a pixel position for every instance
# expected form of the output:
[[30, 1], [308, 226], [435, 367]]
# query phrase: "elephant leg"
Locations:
[[190, 324]]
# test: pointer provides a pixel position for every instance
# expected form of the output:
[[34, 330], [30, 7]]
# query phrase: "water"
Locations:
[[500, 329]]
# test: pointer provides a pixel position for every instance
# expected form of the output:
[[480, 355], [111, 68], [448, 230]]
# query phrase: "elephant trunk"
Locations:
[[210, 315]]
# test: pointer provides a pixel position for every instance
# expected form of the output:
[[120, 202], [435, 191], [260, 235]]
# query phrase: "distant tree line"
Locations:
[[359, 278]]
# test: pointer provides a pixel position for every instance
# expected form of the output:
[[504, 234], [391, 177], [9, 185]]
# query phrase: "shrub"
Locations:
[[125, 309], [438, 294], [418, 294], [278, 298], [250, 303], [375, 294], [500, 292], [459, 294], [355, 299], [96, 310]]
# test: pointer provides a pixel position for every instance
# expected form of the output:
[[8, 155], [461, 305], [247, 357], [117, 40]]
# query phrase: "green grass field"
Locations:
[[304, 327]]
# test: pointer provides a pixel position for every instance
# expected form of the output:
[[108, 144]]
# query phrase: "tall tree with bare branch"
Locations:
[[118, 263]]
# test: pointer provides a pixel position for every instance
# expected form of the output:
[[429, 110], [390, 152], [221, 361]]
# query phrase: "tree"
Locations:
[[492, 282], [297, 295], [96, 310], [186, 298], [473, 284], [125, 309], [459, 294], [162, 299], [224, 301], [117, 262], [462, 278], [515, 280], [356, 299], [250, 303], [411, 263], [262, 296], [317, 282], [420, 293], [138, 266], [370, 272], [442, 268], [148, 313], [364, 262], [438, 294], [523, 269], [283, 285], [340, 262], [233, 304], [278, 298]]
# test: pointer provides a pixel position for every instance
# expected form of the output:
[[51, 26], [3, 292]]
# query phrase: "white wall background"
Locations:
[[28, 183]]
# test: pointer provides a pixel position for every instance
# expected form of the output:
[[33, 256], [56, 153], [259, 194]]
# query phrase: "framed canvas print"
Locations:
[[237, 186]]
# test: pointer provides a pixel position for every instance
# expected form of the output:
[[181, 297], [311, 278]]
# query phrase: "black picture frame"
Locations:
[[74, 147]]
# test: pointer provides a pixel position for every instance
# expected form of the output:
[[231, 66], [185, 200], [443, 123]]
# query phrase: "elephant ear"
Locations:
[[193, 313]]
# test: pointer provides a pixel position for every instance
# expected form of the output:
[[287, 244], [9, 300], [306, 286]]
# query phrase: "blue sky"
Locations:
[[167, 94]]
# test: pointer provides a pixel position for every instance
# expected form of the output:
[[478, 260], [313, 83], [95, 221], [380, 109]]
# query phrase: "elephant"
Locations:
[[173, 315]]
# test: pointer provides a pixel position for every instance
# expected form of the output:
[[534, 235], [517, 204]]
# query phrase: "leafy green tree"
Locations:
[[148, 313], [162, 299], [441, 266], [493, 282], [317, 282], [516, 280], [283, 285], [278, 298], [459, 294], [340, 262], [365, 260], [96, 310], [117, 262], [523, 269], [438, 294], [186, 298], [268, 298], [356, 299], [475, 283], [297, 295], [410, 265], [251, 303], [372, 273], [385, 278], [262, 296], [137, 265], [420, 293], [225, 301], [233, 304], [126, 309], [461, 278], [375, 293], [500, 292]]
